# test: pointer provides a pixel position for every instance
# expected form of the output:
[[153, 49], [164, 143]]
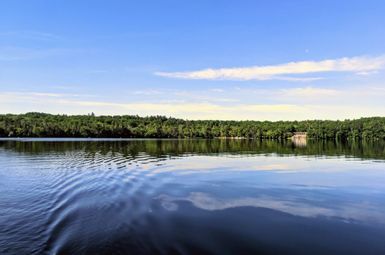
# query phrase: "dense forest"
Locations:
[[48, 125]]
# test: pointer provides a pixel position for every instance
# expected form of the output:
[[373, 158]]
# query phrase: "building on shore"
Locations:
[[299, 139]]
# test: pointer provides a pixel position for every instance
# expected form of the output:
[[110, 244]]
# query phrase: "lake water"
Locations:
[[191, 197]]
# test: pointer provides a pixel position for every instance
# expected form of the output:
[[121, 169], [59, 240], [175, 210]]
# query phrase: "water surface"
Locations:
[[63, 196]]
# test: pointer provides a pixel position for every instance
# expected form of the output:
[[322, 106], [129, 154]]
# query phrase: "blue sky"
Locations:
[[194, 59]]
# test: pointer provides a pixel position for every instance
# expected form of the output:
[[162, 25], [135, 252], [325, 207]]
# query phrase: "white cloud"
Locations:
[[363, 64]]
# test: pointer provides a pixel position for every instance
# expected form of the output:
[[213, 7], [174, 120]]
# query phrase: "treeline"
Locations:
[[48, 125]]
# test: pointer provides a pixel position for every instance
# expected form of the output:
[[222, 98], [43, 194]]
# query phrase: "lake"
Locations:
[[90, 196]]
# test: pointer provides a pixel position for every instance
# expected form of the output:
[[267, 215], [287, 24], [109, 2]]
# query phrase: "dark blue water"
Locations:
[[191, 197]]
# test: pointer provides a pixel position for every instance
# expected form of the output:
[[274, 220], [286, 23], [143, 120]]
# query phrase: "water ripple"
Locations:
[[106, 200]]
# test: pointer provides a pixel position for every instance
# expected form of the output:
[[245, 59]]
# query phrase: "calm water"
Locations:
[[191, 197]]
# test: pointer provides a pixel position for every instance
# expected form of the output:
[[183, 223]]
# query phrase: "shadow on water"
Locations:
[[191, 197]]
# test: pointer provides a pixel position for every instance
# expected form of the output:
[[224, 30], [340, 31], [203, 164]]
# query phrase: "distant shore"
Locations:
[[35, 125]]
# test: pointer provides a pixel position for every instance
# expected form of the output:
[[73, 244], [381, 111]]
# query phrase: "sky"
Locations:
[[201, 59]]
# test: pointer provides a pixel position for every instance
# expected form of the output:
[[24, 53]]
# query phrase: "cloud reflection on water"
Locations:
[[349, 211]]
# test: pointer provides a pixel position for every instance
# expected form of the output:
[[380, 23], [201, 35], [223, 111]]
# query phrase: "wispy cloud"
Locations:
[[289, 104], [147, 92], [35, 96], [309, 92], [211, 95], [362, 64], [19, 53], [175, 95], [50, 102], [31, 35]]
